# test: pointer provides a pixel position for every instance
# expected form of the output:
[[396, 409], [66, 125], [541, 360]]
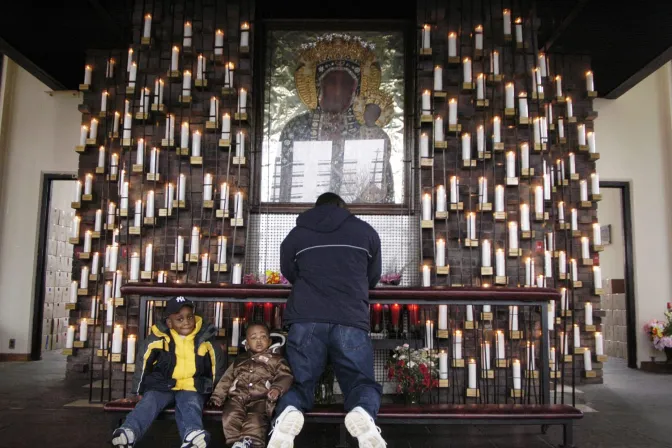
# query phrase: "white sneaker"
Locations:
[[287, 426], [123, 438], [196, 439], [361, 426]]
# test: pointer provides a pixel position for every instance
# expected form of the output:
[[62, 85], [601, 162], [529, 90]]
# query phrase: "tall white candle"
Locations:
[[577, 336], [186, 83], [154, 161], [98, 222], [496, 130], [537, 131], [486, 255], [499, 198], [592, 148], [228, 75], [595, 183], [561, 212], [466, 70], [238, 205], [200, 67], [117, 339], [562, 262], [74, 230], [452, 44], [457, 345], [137, 216], [443, 365], [426, 207], [195, 241], [494, 62], [585, 249], [168, 197], [482, 190], [466, 146], [524, 217], [83, 134], [513, 235], [130, 349], [529, 271], [111, 212], [207, 187], [70, 337], [426, 30], [221, 250], [561, 128], [87, 74], [196, 144], [179, 250], [83, 330], [182, 188], [516, 375], [205, 268], [235, 332], [443, 317], [597, 234], [424, 145], [500, 263], [224, 197], [440, 198], [472, 374], [510, 164], [548, 264], [426, 102], [501, 348], [88, 183], [454, 189], [570, 107], [480, 139], [240, 144], [471, 226], [175, 53], [587, 361], [575, 270], [134, 275], [438, 78], [581, 132], [599, 344], [539, 200], [531, 357], [583, 190], [440, 252], [245, 35], [188, 33], [590, 82], [219, 42], [133, 75], [214, 108], [127, 126], [478, 37], [147, 29], [480, 86], [438, 129], [242, 101], [149, 255], [485, 355], [426, 276], [506, 19], [551, 314], [170, 128], [84, 278], [95, 263], [523, 111], [519, 30], [123, 202], [73, 291], [150, 204], [87, 242], [510, 95], [597, 277], [588, 308], [237, 275]]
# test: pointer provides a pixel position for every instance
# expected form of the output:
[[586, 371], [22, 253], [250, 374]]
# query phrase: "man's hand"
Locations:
[[273, 395], [215, 401]]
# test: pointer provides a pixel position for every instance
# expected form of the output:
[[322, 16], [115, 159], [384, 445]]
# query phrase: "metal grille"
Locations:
[[400, 243]]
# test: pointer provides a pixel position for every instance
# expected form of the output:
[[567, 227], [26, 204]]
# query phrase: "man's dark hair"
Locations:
[[330, 199]]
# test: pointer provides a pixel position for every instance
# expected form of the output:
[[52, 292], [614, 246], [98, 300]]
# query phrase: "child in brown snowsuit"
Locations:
[[252, 384]]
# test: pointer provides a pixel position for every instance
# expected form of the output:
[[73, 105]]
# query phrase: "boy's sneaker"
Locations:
[[123, 438], [196, 439], [287, 426], [362, 426], [245, 443]]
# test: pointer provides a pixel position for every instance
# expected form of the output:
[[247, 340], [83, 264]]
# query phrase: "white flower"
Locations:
[[411, 364]]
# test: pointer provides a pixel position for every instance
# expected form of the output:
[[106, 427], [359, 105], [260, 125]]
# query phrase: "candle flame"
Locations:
[[465, 60], [589, 72], [519, 20], [479, 28], [245, 26], [506, 11], [219, 32], [176, 48]]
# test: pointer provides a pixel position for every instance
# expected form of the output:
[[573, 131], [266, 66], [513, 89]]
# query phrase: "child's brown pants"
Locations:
[[245, 419]]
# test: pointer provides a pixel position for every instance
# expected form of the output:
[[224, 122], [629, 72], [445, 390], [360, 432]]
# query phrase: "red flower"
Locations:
[[401, 363], [423, 369]]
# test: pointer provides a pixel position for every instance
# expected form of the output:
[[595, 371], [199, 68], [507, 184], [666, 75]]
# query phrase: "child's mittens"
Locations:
[[216, 401], [273, 395]]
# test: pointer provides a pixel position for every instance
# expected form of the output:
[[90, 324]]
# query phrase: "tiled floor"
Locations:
[[633, 409]]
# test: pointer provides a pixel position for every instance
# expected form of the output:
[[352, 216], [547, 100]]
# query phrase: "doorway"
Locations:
[[616, 261], [54, 264]]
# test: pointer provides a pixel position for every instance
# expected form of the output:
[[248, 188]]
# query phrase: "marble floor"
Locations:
[[38, 407]]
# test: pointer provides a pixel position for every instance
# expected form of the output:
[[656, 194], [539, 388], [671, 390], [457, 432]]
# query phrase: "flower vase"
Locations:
[[412, 398], [668, 353]]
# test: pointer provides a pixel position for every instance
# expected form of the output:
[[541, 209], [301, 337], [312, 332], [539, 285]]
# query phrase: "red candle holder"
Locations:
[[395, 310], [268, 313], [377, 315], [414, 314], [249, 312]]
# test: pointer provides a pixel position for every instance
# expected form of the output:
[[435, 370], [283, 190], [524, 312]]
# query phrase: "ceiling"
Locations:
[[625, 44]]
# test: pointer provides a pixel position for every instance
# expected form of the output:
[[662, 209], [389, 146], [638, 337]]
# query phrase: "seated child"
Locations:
[[252, 384], [180, 362]]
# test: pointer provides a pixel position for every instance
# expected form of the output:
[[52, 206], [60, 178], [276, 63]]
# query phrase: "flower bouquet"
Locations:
[[660, 334], [415, 371], [268, 278]]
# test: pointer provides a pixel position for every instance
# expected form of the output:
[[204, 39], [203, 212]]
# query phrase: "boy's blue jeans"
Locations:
[[349, 350], [188, 411]]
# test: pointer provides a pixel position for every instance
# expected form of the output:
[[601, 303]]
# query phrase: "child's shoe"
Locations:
[[361, 426], [196, 439], [287, 426], [123, 438], [245, 443]]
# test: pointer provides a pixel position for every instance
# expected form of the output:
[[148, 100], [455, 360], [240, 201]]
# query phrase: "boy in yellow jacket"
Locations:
[[180, 363]]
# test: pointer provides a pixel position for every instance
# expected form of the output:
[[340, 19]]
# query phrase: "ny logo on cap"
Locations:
[[180, 299]]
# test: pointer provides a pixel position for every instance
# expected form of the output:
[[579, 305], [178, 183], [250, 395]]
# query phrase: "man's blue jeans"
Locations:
[[188, 411], [350, 351]]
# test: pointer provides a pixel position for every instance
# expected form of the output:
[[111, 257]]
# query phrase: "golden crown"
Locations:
[[337, 47]]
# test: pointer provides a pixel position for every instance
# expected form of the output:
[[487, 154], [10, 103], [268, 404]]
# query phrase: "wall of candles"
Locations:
[[507, 195], [508, 181], [164, 173]]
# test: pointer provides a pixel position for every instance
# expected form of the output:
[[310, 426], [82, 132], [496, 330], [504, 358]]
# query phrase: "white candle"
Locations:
[[240, 144], [597, 235], [127, 126], [438, 129], [426, 103], [154, 160], [184, 135], [466, 70], [440, 252], [583, 188], [597, 277], [144, 100], [83, 133], [590, 83], [221, 249], [592, 148], [179, 250], [599, 344], [74, 229], [485, 355], [188, 33], [207, 187], [130, 349], [237, 275], [84, 278], [587, 361], [558, 86], [443, 317], [150, 204], [452, 45], [480, 139], [570, 108], [529, 271], [201, 67], [70, 337], [98, 223], [426, 207], [522, 105], [585, 250], [575, 270], [134, 275], [561, 212], [205, 268], [516, 375], [196, 144], [483, 190], [496, 130], [506, 17], [111, 211], [561, 128], [238, 205], [170, 128], [226, 127], [195, 241], [478, 37], [510, 164], [424, 145], [224, 197], [426, 30], [186, 83], [537, 131], [173, 59], [83, 330], [513, 235], [123, 203], [471, 226], [510, 95], [149, 255], [494, 62], [214, 108], [588, 308], [581, 131], [519, 30], [499, 198], [501, 348], [457, 346], [87, 242], [95, 264], [73, 291], [117, 339], [235, 332], [87, 74], [443, 365], [88, 183], [466, 146], [228, 75], [470, 313], [595, 183], [577, 336], [182, 188], [440, 198], [133, 74], [242, 101], [109, 68], [531, 361], [551, 315], [168, 197], [524, 217], [454, 189], [472, 374], [480, 86], [550, 241], [147, 29], [245, 35], [539, 200], [486, 256], [500, 263], [562, 262], [137, 216], [426, 279], [438, 78], [548, 264]]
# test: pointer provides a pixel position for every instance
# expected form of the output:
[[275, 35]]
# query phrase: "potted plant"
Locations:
[[415, 371], [392, 276], [660, 333]]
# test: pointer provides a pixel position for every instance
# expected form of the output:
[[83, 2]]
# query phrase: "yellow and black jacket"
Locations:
[[170, 362]]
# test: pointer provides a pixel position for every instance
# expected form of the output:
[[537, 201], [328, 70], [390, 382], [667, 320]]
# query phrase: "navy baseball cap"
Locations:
[[175, 304]]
